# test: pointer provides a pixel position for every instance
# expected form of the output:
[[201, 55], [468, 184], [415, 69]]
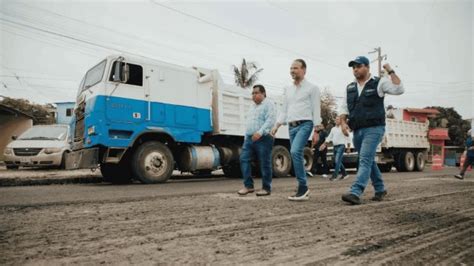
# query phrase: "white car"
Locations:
[[39, 146]]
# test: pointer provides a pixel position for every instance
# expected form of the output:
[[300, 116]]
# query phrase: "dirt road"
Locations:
[[427, 218]]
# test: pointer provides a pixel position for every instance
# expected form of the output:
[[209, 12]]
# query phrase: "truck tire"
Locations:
[[385, 168], [406, 161], [116, 173], [420, 162], [308, 159], [281, 161], [232, 170], [152, 163]]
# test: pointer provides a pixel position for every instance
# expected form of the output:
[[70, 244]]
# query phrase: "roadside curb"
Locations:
[[11, 182]]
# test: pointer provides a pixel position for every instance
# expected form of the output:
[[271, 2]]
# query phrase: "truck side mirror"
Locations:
[[117, 71], [125, 73], [14, 137]]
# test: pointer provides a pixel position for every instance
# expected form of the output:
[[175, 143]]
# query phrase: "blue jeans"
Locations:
[[366, 141], [262, 148], [299, 136], [338, 153]]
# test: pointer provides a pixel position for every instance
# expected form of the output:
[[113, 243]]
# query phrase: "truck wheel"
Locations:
[[406, 161], [281, 161], [420, 162], [152, 163], [232, 170], [116, 173], [385, 168], [12, 167], [308, 159]]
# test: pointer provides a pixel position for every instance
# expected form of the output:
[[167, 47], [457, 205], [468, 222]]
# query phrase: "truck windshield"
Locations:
[[94, 75], [45, 133]]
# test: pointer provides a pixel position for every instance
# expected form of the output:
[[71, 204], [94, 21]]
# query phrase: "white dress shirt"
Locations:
[[301, 102], [385, 86], [337, 137]]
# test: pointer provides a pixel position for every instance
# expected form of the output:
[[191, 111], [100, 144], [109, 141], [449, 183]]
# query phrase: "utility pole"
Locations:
[[379, 58]]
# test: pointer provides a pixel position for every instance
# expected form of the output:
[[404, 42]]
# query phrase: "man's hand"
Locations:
[[315, 139], [387, 67], [275, 129], [322, 147], [345, 129], [256, 136]]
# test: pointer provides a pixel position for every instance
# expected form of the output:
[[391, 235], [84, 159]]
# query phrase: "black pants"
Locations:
[[467, 162], [320, 168]]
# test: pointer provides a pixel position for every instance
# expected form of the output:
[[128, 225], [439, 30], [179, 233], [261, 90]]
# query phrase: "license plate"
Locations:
[[25, 160]]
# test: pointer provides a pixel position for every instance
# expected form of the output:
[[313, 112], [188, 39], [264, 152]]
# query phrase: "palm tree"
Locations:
[[247, 75]]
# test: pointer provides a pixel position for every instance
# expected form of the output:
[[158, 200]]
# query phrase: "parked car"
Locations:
[[39, 146]]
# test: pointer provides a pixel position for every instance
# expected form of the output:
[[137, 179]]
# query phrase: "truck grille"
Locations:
[[26, 151], [79, 127]]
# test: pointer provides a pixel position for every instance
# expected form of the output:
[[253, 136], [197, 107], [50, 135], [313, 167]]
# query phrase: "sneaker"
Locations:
[[333, 178], [309, 173], [263, 192], [325, 176], [379, 196], [245, 191], [351, 198], [459, 177], [301, 195], [344, 177]]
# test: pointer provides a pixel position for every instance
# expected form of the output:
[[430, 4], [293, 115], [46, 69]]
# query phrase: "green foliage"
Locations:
[[42, 114], [450, 119]]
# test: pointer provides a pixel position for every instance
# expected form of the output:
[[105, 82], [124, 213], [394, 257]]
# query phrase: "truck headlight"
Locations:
[[52, 150], [8, 151], [91, 130]]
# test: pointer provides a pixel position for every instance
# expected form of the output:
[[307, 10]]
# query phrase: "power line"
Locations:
[[244, 35], [317, 25]]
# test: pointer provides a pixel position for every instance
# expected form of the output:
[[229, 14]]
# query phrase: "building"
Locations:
[[12, 123], [436, 136], [64, 112]]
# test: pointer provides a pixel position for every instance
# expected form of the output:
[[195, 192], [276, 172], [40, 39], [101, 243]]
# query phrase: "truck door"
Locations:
[[126, 102]]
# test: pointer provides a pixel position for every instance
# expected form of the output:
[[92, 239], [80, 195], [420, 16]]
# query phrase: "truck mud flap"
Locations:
[[82, 159]]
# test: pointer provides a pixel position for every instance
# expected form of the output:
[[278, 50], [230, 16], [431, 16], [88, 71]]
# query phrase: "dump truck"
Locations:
[[139, 118], [404, 146]]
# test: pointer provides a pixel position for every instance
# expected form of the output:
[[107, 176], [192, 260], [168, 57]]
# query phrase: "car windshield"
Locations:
[[45, 133]]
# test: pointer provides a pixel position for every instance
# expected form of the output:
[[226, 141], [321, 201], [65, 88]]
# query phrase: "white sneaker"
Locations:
[[325, 176], [301, 197], [344, 177]]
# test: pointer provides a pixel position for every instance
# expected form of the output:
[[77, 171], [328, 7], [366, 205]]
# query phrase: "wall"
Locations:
[[61, 113], [10, 126]]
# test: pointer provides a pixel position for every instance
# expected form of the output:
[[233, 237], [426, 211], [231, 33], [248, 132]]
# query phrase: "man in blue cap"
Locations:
[[363, 105]]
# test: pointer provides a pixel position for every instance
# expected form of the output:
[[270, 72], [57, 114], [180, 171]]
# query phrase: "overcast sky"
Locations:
[[47, 46]]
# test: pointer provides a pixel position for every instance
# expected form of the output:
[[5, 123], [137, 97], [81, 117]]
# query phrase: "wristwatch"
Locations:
[[391, 72]]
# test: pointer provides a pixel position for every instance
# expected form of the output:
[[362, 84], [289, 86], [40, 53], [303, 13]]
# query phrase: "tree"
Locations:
[[247, 75], [450, 119], [328, 106], [41, 113]]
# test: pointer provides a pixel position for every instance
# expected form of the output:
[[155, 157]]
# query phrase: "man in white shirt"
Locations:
[[302, 112], [364, 106], [339, 136]]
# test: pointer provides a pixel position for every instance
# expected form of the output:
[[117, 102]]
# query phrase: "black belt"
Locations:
[[297, 123]]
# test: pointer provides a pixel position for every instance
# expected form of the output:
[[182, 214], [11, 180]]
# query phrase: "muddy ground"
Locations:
[[427, 218]]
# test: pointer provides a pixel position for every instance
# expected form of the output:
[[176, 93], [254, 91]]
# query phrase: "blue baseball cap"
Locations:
[[360, 60]]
